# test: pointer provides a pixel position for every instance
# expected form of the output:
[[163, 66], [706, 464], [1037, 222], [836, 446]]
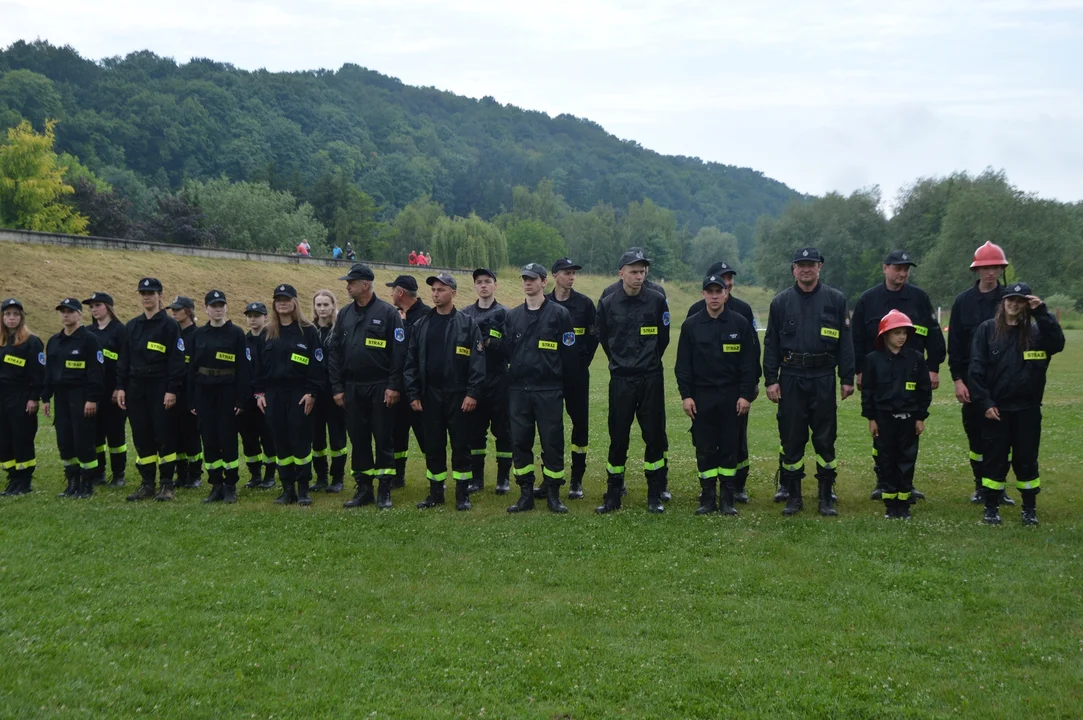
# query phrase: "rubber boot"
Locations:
[[288, 495], [794, 502], [319, 464], [146, 485], [477, 473], [336, 484], [725, 504], [783, 492], [740, 495], [462, 495], [86, 484], [435, 496], [383, 493], [503, 475], [707, 497], [303, 496], [165, 490], [827, 502], [992, 507], [579, 469], [1030, 509], [654, 496], [364, 495], [268, 477], [611, 501], [525, 502], [552, 496]]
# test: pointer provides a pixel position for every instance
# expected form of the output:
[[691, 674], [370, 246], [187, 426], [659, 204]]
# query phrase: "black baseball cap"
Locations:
[[721, 268], [182, 302], [565, 264], [713, 279], [285, 291], [150, 284], [359, 271], [255, 307], [406, 282], [70, 304], [899, 257], [98, 297], [11, 302], [533, 271], [633, 256], [484, 271], [444, 278], [809, 254], [214, 297], [1019, 289]]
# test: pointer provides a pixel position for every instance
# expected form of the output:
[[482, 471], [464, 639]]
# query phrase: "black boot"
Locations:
[[23, 481], [707, 497], [462, 495], [194, 478], [165, 490], [539, 491], [71, 475], [725, 504], [740, 495], [827, 499], [477, 473], [363, 496], [288, 495], [218, 491], [336, 484], [400, 474], [268, 477], [654, 496], [890, 511], [435, 496], [1030, 516], [552, 496], [146, 484], [229, 487], [118, 479], [611, 501], [13, 482], [916, 495], [1030, 510], [503, 474], [319, 466], [526, 495], [303, 497], [1005, 499], [992, 507], [663, 488], [902, 509], [321, 483], [579, 470], [978, 498], [383, 493], [794, 502], [783, 492], [181, 469], [877, 493], [255, 470]]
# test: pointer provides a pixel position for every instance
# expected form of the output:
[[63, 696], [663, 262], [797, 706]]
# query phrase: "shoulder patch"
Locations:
[[248, 354], [101, 357], [568, 339], [41, 358], [665, 317], [319, 354], [180, 344], [400, 334], [846, 321], [481, 346]]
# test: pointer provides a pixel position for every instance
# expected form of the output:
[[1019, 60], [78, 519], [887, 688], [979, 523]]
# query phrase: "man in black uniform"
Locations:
[[971, 308], [189, 445], [577, 370], [492, 410], [633, 328], [411, 308], [725, 272], [368, 348], [808, 335], [445, 370], [895, 293], [717, 368], [540, 344]]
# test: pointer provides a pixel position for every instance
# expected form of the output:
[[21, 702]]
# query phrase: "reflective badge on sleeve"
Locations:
[[829, 332], [225, 357], [297, 358], [1035, 355], [460, 350]]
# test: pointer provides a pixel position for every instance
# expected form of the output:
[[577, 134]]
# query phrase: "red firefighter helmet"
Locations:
[[989, 255], [892, 320]]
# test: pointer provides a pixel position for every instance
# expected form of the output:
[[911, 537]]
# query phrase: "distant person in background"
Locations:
[[112, 434], [302, 249], [336, 252], [350, 255], [428, 259], [22, 377], [412, 257], [189, 445]]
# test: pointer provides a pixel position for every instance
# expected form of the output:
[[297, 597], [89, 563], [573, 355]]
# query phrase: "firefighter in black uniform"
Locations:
[[367, 351], [808, 336], [22, 379], [256, 440], [189, 448], [540, 344], [111, 434], [971, 308], [492, 410], [726, 273], [895, 293], [288, 373], [411, 308], [329, 419], [219, 384], [444, 374], [895, 399], [577, 371], [717, 369], [75, 375], [633, 328], [1008, 368], [150, 375]]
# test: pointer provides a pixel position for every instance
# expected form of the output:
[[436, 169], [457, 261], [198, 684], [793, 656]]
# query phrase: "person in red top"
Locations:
[[412, 259], [302, 249]]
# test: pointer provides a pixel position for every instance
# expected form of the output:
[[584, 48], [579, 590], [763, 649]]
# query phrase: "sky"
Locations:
[[824, 96]]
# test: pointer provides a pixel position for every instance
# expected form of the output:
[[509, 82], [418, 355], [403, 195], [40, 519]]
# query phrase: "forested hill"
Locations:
[[171, 122]]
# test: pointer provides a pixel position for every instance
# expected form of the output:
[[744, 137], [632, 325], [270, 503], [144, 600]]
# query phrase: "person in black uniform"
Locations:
[[22, 379], [492, 410], [74, 374], [256, 440], [895, 293], [540, 344], [189, 449], [577, 371], [366, 355], [219, 383], [726, 273], [444, 374], [633, 328], [411, 308], [971, 308], [1008, 366], [111, 434], [808, 336], [717, 369], [150, 375], [895, 399], [329, 420]]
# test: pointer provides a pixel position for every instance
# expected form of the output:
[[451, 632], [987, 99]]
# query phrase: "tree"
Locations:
[[177, 221], [252, 216], [534, 241], [593, 238], [468, 242], [108, 214], [711, 245], [654, 229], [348, 214], [31, 96], [32, 184], [412, 229]]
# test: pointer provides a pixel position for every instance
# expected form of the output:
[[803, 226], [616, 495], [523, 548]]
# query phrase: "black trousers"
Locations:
[[444, 421], [292, 432], [369, 423], [543, 409], [189, 447], [256, 441], [1013, 442], [17, 430], [491, 413], [329, 423], [110, 436], [716, 433], [807, 404], [897, 448], [639, 398], [577, 404], [973, 422], [154, 431], [405, 418], [742, 449], [74, 431], [215, 406]]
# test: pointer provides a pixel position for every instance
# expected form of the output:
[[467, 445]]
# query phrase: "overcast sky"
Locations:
[[820, 95]]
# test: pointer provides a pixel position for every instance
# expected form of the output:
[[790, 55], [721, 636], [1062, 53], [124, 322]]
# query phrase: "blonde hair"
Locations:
[[17, 336], [334, 306], [272, 319]]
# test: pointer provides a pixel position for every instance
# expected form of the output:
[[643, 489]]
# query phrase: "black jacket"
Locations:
[[1004, 375], [744, 310], [417, 311], [633, 331], [114, 339], [463, 351], [253, 346], [814, 323], [491, 322], [220, 350], [717, 354], [368, 346], [154, 351], [295, 357], [540, 345], [584, 325], [23, 367], [970, 309], [74, 360], [896, 383], [876, 302]]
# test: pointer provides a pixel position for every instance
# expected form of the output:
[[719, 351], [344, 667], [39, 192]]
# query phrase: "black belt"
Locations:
[[212, 372], [808, 360]]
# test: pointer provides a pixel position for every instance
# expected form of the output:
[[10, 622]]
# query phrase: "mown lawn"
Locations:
[[113, 609]]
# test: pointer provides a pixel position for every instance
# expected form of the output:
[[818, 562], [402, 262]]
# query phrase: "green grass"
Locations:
[[113, 609]]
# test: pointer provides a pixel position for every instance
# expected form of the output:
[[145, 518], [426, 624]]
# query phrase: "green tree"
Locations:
[[32, 184], [593, 238], [412, 229], [348, 214], [252, 216], [31, 96], [534, 241], [711, 245], [654, 228], [468, 242]]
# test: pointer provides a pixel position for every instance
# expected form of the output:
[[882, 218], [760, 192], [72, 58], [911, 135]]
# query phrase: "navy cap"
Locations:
[[70, 304], [713, 279], [11, 302], [721, 268], [406, 282], [359, 271], [809, 254], [149, 284], [565, 264], [285, 291], [484, 271], [633, 256], [215, 296], [98, 297], [1019, 289], [444, 278], [533, 271], [899, 257], [255, 307], [180, 302]]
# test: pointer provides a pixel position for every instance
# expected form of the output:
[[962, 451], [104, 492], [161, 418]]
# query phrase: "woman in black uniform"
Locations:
[[328, 418], [22, 377], [74, 374], [189, 449], [289, 375], [111, 435], [256, 442], [150, 375], [218, 383]]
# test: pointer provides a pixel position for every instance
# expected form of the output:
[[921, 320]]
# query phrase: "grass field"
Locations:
[[113, 609]]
